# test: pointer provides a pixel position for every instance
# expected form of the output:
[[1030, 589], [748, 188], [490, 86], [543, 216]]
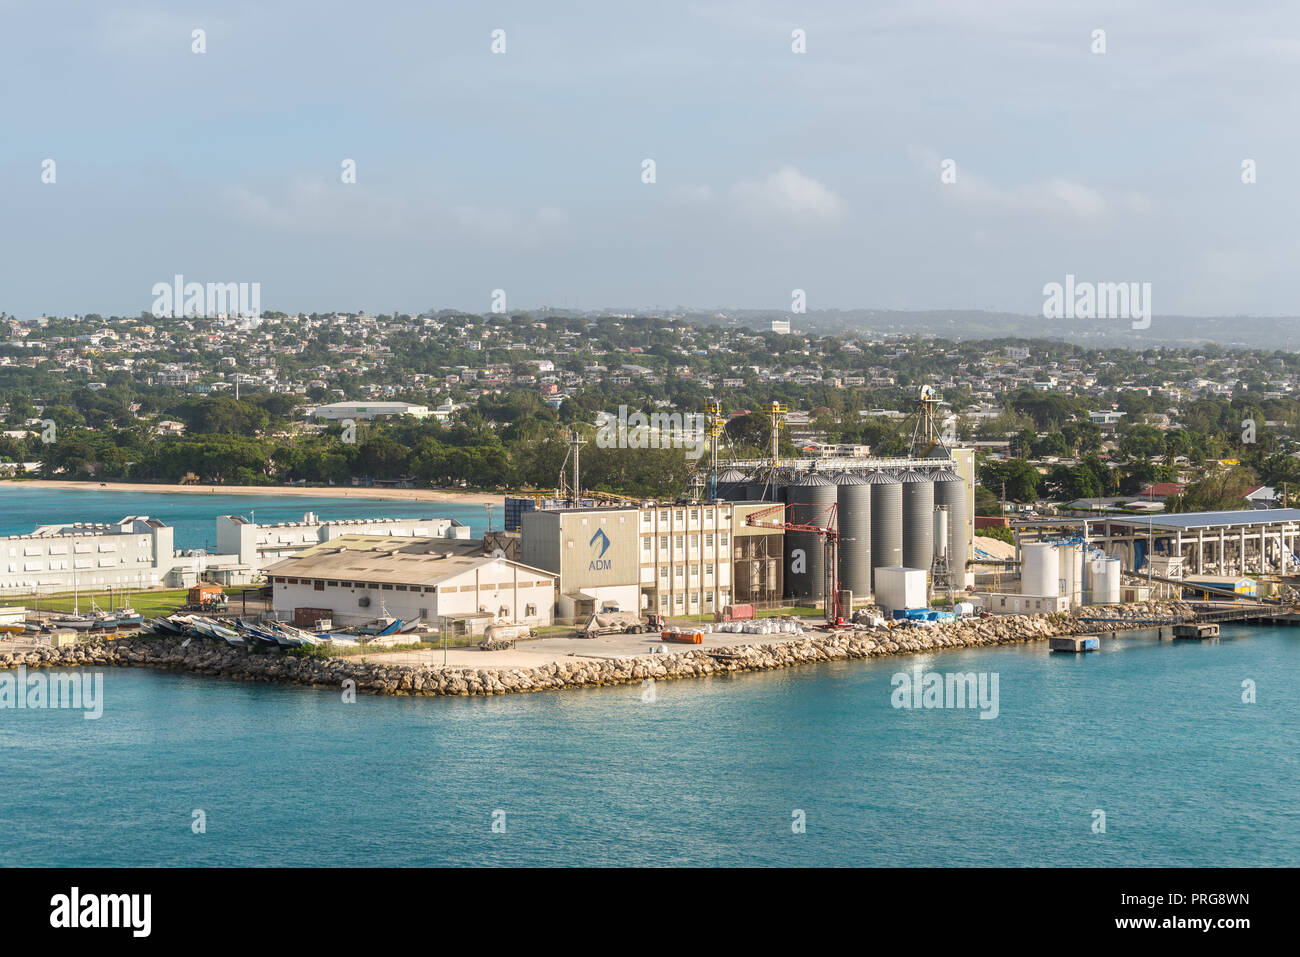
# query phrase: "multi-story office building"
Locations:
[[679, 559]]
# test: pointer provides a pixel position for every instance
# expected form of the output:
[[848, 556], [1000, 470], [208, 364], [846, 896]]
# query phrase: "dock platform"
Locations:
[[1075, 643], [1196, 630]]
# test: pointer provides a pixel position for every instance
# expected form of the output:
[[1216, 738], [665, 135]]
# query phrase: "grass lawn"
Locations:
[[151, 604]]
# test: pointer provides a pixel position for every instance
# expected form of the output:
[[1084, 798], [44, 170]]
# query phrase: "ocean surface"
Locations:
[[1155, 734], [194, 515]]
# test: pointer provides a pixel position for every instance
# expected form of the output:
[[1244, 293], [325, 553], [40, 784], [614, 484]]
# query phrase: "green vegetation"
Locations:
[[150, 604]]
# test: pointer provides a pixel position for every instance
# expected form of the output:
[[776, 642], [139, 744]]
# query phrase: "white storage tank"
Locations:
[[1071, 561], [1040, 570], [1110, 581], [900, 588]]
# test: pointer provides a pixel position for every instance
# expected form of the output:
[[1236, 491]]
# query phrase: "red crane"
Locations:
[[823, 522]]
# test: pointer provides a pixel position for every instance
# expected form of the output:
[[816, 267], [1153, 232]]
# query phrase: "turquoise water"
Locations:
[[194, 515], [1153, 733]]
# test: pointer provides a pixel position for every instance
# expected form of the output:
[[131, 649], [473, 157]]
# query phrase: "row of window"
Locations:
[[679, 515], [679, 542], [678, 571], [679, 599]]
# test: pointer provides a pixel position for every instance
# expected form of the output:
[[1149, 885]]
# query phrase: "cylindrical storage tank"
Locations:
[[950, 490], [731, 485], [808, 500], [1071, 571], [1110, 581], [886, 522], [940, 531], [756, 491], [1040, 570], [853, 513], [918, 520]]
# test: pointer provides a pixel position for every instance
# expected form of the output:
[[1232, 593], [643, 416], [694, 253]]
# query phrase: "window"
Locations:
[[708, 571], [722, 539], [695, 515], [530, 611], [678, 515], [333, 584], [708, 540], [708, 598], [679, 600], [663, 601], [663, 571], [318, 585], [680, 541], [680, 569], [663, 542], [645, 545]]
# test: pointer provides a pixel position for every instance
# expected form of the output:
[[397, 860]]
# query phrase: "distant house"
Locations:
[[1163, 490], [1262, 496]]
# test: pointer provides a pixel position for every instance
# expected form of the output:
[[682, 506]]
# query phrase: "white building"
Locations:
[[246, 549], [362, 411], [135, 552], [359, 578]]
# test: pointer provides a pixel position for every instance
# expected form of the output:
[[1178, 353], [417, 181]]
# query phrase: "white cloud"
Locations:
[[1054, 198], [313, 205], [789, 198]]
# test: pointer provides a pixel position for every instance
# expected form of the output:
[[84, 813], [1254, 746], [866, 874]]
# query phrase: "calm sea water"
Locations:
[[1153, 733], [194, 515]]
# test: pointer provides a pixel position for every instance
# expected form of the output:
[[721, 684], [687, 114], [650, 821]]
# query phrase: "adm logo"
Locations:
[[600, 563]]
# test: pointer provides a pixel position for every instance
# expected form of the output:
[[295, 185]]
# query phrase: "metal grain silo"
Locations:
[[731, 485], [805, 560], [756, 490], [853, 512], [918, 520], [950, 490], [886, 522]]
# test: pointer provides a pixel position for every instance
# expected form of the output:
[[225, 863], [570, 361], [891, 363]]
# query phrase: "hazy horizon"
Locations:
[[774, 170]]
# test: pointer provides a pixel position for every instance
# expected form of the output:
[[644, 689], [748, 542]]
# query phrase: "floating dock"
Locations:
[[1075, 643]]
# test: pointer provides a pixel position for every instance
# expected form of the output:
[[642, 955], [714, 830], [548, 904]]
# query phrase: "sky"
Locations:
[[773, 170]]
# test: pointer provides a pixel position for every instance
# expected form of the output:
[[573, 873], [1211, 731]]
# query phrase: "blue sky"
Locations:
[[775, 170]]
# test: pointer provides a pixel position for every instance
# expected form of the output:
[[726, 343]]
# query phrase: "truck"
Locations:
[[615, 622], [205, 596]]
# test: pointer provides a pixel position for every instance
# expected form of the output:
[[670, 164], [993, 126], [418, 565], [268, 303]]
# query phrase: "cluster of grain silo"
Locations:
[[887, 518]]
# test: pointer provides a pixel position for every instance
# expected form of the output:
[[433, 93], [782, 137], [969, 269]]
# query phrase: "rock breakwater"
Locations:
[[375, 677]]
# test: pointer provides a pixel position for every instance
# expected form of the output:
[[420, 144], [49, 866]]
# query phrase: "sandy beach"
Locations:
[[276, 491]]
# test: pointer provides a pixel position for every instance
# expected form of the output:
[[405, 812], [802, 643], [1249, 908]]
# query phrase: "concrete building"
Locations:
[[245, 549], [133, 553], [364, 411], [359, 578], [680, 559]]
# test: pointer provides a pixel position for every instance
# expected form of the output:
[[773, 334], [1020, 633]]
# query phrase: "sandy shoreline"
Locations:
[[278, 491]]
